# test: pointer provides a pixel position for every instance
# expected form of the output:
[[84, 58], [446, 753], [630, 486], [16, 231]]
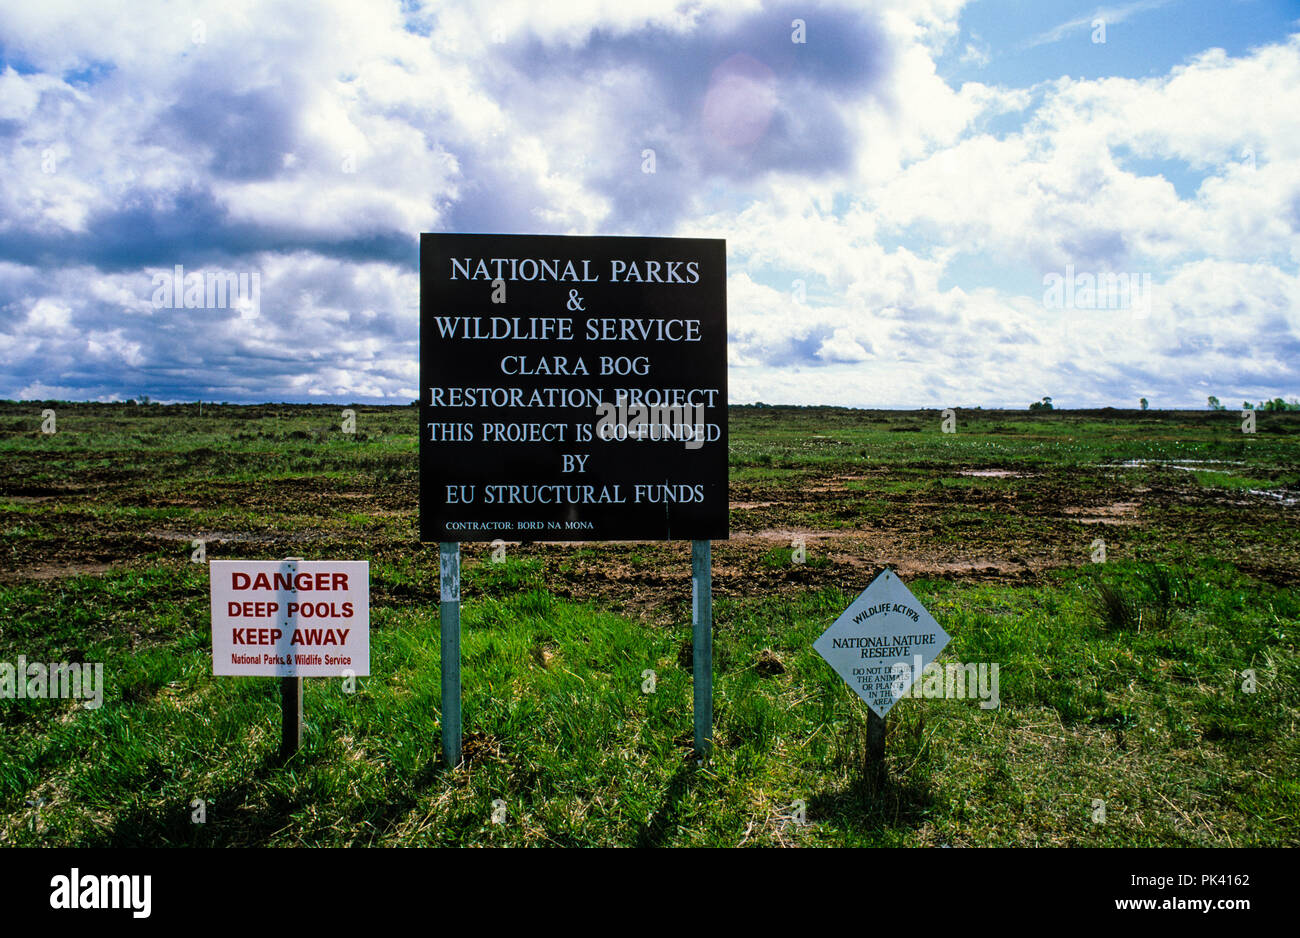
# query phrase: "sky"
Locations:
[[926, 203]]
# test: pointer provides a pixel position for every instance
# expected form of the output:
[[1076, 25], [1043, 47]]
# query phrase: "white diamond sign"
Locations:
[[882, 642]]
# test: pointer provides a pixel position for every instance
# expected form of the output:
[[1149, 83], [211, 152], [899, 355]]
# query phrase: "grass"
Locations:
[[1231, 481], [560, 728], [1164, 682]]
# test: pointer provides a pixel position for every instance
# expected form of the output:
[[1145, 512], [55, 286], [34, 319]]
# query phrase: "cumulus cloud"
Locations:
[[888, 232]]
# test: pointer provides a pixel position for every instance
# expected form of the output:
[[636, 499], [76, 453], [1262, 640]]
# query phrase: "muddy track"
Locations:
[[1007, 525]]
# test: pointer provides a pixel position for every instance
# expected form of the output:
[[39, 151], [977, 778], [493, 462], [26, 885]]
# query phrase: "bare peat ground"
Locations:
[[1005, 498]]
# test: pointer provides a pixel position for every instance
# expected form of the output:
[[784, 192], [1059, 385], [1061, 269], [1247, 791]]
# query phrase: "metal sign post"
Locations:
[[702, 657], [290, 716], [449, 624], [875, 755]]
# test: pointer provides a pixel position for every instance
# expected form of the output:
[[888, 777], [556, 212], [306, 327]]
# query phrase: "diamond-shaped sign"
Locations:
[[882, 642]]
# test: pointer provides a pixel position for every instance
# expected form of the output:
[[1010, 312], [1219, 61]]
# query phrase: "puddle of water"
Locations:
[[1184, 465], [1283, 497]]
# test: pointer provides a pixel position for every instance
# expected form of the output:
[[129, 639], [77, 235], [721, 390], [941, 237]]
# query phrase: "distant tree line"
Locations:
[[1275, 404]]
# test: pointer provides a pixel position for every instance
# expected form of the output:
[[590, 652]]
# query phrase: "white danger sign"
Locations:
[[290, 618], [882, 642]]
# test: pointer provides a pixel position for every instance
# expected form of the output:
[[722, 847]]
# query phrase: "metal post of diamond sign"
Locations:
[[449, 626], [702, 657], [875, 767]]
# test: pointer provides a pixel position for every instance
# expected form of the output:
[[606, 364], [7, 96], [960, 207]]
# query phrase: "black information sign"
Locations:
[[572, 388]]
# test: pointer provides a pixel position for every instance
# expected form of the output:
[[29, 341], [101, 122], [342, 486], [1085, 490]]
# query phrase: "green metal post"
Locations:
[[449, 624], [702, 622]]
